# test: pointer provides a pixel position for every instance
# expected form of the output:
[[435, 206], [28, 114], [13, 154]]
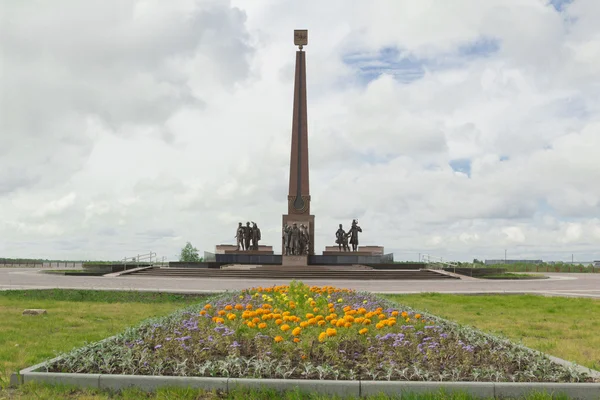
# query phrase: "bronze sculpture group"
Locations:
[[341, 237], [296, 240], [247, 236]]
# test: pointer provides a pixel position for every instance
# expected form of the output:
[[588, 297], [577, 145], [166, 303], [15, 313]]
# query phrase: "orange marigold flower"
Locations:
[[319, 317], [322, 336], [417, 316], [231, 317], [309, 315], [278, 339], [278, 321], [347, 324], [251, 324], [208, 306], [331, 332], [321, 323], [340, 323], [316, 309], [381, 316], [296, 331], [285, 327], [202, 312], [248, 306], [312, 321], [303, 324], [221, 312], [404, 314], [256, 320], [379, 325], [228, 307], [239, 307], [395, 313], [367, 322], [296, 340], [262, 325], [363, 331]]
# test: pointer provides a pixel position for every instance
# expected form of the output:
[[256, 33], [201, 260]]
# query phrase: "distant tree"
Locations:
[[189, 254]]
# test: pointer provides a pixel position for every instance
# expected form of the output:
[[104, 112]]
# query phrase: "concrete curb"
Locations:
[[127, 271], [580, 391]]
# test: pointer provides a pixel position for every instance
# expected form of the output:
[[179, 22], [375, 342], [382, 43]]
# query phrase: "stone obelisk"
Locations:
[[299, 189]]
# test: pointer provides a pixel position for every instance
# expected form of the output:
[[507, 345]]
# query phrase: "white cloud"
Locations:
[[130, 126]]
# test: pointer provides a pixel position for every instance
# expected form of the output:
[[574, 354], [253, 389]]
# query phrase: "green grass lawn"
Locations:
[[563, 327], [74, 318], [45, 392]]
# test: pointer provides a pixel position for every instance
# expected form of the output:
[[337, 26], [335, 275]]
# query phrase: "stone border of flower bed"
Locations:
[[582, 391]]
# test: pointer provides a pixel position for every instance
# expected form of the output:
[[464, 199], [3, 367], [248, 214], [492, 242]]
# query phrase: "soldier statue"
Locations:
[[255, 236], [287, 239], [295, 239], [247, 236], [239, 235], [341, 238], [306, 240], [301, 240], [353, 232]]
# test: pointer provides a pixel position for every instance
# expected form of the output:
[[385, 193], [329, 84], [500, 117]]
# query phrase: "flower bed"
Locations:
[[304, 332]]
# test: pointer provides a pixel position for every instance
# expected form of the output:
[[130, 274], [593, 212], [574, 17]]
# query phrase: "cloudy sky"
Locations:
[[457, 129]]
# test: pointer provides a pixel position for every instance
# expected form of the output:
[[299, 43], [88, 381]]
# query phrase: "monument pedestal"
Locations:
[[232, 249], [348, 253], [250, 252]]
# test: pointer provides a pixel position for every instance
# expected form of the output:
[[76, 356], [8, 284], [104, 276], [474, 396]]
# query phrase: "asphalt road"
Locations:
[[559, 284]]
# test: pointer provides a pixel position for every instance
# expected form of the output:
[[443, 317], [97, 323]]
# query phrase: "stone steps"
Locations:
[[310, 272]]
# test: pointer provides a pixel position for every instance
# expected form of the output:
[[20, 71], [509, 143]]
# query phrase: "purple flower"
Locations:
[[158, 346]]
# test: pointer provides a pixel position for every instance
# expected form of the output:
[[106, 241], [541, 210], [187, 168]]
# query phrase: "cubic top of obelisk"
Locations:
[[300, 37]]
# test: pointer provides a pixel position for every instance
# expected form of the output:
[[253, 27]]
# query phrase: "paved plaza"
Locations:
[[559, 284]]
